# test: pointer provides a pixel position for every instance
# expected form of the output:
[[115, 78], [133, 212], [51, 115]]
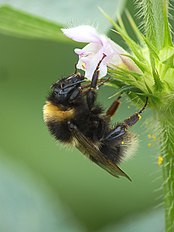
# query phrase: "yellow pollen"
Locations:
[[149, 136], [139, 116], [154, 137], [160, 160], [149, 145], [122, 142], [83, 65]]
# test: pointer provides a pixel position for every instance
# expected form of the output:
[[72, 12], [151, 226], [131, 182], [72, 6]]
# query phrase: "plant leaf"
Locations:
[[151, 48], [141, 65], [120, 29], [15, 22], [71, 13], [134, 27], [24, 195]]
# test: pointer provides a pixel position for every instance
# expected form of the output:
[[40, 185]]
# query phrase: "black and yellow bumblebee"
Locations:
[[73, 117]]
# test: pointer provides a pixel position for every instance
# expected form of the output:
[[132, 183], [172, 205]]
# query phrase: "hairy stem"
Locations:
[[167, 148], [155, 15]]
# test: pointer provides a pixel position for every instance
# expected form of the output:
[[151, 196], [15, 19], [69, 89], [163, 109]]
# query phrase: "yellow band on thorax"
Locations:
[[52, 112]]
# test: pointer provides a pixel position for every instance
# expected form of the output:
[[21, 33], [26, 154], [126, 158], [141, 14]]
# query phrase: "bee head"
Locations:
[[67, 89]]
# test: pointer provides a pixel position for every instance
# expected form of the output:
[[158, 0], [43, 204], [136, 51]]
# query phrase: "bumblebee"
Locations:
[[73, 117]]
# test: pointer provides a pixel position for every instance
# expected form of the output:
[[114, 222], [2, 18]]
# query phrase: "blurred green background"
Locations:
[[45, 187]]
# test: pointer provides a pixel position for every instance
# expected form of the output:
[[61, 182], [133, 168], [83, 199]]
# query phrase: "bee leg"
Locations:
[[113, 108], [91, 94], [135, 117], [100, 83], [122, 128], [115, 133]]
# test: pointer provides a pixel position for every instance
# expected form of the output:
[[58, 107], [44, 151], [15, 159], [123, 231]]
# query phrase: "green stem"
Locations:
[[155, 14], [167, 149]]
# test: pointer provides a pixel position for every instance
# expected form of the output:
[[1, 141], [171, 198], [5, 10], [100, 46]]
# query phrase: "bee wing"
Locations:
[[92, 152]]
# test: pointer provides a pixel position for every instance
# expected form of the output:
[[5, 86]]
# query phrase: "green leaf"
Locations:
[[125, 89], [141, 65], [134, 27], [29, 204], [153, 57], [147, 87], [169, 62], [166, 56], [158, 84], [143, 222], [17, 23], [129, 73], [152, 49], [68, 13], [120, 29]]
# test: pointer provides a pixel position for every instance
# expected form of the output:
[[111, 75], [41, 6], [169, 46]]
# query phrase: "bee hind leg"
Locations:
[[136, 116], [117, 132], [122, 128], [113, 108]]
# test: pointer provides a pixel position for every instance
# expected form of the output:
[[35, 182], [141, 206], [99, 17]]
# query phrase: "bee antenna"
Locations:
[[70, 85], [144, 106], [52, 85]]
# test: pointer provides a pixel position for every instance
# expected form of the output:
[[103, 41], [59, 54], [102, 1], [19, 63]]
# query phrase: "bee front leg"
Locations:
[[91, 94]]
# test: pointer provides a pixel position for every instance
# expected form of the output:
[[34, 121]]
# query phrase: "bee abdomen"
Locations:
[[60, 131], [120, 149]]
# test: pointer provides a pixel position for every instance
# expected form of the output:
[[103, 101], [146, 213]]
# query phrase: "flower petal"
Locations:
[[81, 65], [90, 71], [83, 33], [92, 53], [90, 49], [89, 58], [92, 63]]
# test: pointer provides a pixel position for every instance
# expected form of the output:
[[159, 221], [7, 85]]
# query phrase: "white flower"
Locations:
[[99, 45]]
